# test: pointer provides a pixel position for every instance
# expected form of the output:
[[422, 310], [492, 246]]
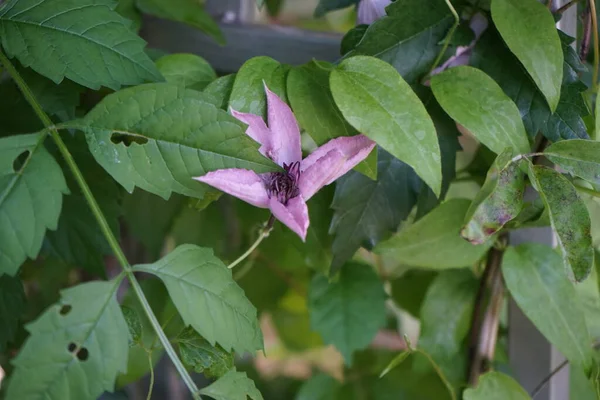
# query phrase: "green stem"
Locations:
[[104, 227], [591, 192], [151, 386], [263, 234], [448, 37]]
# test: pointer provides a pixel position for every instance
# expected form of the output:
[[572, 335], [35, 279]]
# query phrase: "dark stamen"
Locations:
[[284, 185]]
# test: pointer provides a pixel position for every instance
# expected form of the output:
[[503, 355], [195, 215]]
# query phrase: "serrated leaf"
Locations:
[[207, 298], [221, 89], [12, 303], [316, 112], [326, 6], [232, 386], [408, 37], [349, 312], [375, 99], [529, 30], [366, 212], [476, 102], [434, 241], [159, 136], [536, 279], [189, 12], [496, 386], [445, 317], [98, 49], [578, 157], [30, 198], [128, 10], [248, 92], [201, 356], [569, 217], [567, 122], [187, 70], [499, 201], [75, 349], [78, 239]]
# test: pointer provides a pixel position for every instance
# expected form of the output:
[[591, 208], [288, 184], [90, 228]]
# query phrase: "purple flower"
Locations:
[[370, 11], [285, 193]]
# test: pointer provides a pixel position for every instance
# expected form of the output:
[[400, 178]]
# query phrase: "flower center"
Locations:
[[284, 185]]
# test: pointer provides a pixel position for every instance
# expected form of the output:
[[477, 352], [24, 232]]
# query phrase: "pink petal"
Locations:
[[241, 183], [370, 11], [354, 149], [285, 133], [322, 172], [294, 215], [257, 130]]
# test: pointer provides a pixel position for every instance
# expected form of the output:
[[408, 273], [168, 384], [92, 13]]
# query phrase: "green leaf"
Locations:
[[536, 279], [352, 38], [189, 12], [528, 28], [366, 212], [408, 38], [98, 50], [325, 6], [399, 359], [159, 136], [134, 324], [248, 92], [233, 385], [496, 386], [207, 298], [349, 312], [409, 290], [445, 317], [221, 89], [578, 157], [569, 217], [198, 354], [567, 121], [319, 387], [499, 201], [315, 109], [187, 70], [434, 241], [75, 349], [21, 118], [31, 189], [381, 105], [12, 304], [128, 10], [78, 239], [476, 102]]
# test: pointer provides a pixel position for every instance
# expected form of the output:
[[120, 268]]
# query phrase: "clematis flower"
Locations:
[[370, 11], [285, 193]]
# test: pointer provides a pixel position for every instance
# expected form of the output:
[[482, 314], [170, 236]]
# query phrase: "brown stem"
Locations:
[[587, 34], [485, 320]]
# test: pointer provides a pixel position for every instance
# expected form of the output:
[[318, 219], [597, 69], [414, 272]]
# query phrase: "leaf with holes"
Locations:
[[78, 239], [248, 92], [375, 99], [578, 157], [189, 12], [188, 70], [349, 312], [31, 189], [201, 356], [366, 211], [569, 217], [476, 102], [83, 40], [499, 201], [528, 28], [408, 37], [158, 136], [12, 304], [233, 385], [434, 241], [208, 298], [315, 109], [536, 279], [496, 386], [75, 349]]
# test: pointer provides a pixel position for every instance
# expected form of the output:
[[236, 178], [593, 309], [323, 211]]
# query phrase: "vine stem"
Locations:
[[104, 227], [596, 45], [448, 37], [264, 232]]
